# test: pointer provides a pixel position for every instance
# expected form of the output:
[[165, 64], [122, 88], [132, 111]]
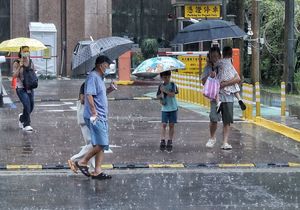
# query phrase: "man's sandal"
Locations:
[[102, 176], [83, 169]]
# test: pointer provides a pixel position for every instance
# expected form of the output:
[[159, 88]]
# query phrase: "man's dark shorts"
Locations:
[[169, 117], [227, 112]]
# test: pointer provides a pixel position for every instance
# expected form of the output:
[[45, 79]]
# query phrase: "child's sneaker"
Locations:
[[219, 106], [226, 146], [162, 144], [242, 105], [169, 145], [211, 143]]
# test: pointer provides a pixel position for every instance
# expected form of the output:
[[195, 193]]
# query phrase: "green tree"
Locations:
[[149, 48], [272, 30]]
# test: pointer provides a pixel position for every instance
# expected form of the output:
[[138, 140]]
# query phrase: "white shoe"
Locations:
[[226, 146], [20, 123], [211, 143], [28, 128]]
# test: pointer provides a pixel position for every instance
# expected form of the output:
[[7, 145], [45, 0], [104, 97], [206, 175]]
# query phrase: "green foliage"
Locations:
[[272, 30], [149, 48], [136, 59]]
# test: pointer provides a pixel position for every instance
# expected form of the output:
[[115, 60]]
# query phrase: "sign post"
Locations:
[[47, 56]]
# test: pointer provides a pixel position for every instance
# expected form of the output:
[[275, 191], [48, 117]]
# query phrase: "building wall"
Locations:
[[75, 20], [74, 28], [50, 12], [22, 12], [98, 22]]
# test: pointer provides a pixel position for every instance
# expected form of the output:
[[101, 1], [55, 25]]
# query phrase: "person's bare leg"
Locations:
[[171, 130], [226, 131], [84, 161], [213, 128], [238, 96], [99, 160], [163, 131]]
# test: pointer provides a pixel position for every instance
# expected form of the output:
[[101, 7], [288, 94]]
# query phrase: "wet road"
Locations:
[[153, 189], [134, 134]]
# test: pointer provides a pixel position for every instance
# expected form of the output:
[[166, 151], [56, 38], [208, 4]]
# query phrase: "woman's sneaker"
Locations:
[[226, 146], [28, 128], [211, 143], [20, 123]]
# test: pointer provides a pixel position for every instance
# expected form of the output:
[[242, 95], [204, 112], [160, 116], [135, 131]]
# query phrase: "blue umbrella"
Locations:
[[157, 65], [208, 30]]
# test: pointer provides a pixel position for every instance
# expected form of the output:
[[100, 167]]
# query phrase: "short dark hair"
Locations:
[[214, 49], [227, 51], [102, 58], [165, 73]]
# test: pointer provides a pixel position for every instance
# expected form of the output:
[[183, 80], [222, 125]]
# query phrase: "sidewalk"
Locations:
[[135, 133]]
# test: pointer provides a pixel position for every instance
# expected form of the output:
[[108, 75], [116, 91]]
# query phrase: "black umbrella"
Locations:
[[208, 30]]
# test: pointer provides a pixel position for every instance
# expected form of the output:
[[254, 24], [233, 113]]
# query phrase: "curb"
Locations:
[[155, 166], [278, 128]]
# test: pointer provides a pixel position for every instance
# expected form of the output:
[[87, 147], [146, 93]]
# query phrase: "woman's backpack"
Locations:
[[30, 80]]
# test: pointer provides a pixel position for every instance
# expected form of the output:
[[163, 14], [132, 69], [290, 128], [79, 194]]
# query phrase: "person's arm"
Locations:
[[16, 69], [111, 88], [159, 93], [234, 80], [81, 98], [90, 99], [169, 93]]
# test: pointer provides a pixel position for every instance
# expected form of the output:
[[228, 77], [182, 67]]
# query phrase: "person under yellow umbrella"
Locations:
[[24, 77], [26, 81]]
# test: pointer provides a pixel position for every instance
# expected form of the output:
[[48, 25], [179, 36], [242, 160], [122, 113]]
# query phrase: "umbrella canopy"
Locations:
[[13, 45], [112, 47], [158, 64], [208, 30]]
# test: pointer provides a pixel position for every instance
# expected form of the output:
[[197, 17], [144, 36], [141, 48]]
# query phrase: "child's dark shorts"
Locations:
[[169, 117]]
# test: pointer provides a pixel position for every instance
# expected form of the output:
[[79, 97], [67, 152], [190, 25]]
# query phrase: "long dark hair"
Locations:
[[21, 48]]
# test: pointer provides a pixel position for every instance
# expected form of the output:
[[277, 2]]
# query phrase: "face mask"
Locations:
[[25, 54], [107, 71]]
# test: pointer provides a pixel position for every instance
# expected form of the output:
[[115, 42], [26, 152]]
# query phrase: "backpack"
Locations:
[[30, 80]]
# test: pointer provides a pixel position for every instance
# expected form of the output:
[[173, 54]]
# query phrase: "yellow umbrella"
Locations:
[[13, 45]]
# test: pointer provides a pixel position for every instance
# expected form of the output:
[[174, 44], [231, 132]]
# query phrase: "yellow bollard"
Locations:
[[184, 77], [251, 102], [257, 99], [283, 99], [248, 98], [198, 93], [181, 86]]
